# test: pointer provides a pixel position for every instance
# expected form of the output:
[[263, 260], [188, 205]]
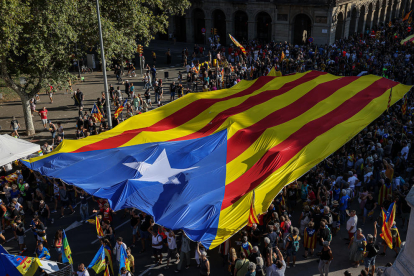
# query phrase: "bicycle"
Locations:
[[86, 69]]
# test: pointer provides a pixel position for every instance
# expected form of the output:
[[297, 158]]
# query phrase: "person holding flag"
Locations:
[[82, 271], [99, 262], [309, 239], [99, 228], [96, 113], [385, 190], [119, 249], [66, 252], [120, 108], [123, 261], [390, 234], [42, 252]]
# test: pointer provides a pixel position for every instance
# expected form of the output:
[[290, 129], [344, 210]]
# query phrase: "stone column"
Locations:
[[346, 27], [404, 264], [356, 25], [363, 23], [229, 30], [332, 33], [370, 24], [189, 29], [251, 31], [397, 10]]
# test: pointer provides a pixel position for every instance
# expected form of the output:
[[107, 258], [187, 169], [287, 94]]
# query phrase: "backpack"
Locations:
[[330, 235], [296, 244]]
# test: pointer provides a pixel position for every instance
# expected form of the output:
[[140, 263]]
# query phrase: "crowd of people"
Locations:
[[332, 201]]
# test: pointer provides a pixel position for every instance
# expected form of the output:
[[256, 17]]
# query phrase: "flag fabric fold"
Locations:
[[193, 164]]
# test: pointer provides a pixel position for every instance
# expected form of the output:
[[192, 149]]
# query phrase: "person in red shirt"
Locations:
[[43, 116], [101, 202]]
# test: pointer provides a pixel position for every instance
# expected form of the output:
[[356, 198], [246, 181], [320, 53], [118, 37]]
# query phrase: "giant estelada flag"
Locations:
[[193, 164]]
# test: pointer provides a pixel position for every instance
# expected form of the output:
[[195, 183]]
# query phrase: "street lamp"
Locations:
[[108, 106]]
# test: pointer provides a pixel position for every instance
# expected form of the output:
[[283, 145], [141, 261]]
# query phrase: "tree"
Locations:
[[38, 38]]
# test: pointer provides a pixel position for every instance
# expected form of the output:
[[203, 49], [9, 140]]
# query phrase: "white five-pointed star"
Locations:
[[160, 171]]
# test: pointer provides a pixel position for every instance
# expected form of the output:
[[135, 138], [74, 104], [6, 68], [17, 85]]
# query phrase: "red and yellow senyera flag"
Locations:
[[98, 227], [237, 44], [253, 219], [217, 147], [407, 16]]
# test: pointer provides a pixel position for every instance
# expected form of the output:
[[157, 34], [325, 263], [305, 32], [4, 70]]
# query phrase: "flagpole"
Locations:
[[108, 106]]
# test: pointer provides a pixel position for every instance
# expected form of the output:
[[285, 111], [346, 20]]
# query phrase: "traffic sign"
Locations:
[[310, 39], [203, 30]]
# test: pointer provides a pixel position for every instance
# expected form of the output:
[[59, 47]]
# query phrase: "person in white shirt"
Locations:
[[405, 150], [117, 250], [352, 180], [156, 246], [82, 271], [351, 224], [172, 247], [277, 269]]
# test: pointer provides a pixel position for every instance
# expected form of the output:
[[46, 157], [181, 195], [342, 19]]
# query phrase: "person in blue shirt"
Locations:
[[336, 192], [343, 205], [42, 252]]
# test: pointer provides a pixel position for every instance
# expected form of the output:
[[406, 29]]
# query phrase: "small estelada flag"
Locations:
[[96, 113]]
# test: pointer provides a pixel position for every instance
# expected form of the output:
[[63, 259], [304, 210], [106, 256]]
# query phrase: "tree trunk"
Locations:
[[30, 130]]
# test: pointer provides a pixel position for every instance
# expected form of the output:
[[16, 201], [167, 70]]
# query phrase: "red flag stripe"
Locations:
[[260, 98], [274, 159], [176, 119], [244, 138]]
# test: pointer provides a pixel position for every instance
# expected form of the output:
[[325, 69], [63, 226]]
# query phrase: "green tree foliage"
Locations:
[[38, 38]]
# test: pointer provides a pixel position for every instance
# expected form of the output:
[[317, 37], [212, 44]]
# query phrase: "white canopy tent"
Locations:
[[12, 149]]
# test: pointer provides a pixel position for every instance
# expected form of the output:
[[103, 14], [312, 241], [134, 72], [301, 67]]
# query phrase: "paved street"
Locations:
[[83, 239]]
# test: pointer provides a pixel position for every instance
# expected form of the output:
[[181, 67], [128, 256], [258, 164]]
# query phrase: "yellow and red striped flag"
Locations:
[[237, 44], [262, 134], [390, 24], [253, 219], [282, 56], [388, 218], [120, 108], [98, 227], [11, 177], [407, 16], [404, 106], [106, 272], [389, 100], [96, 113]]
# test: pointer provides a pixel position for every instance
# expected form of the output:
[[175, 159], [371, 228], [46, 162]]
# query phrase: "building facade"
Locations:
[[294, 21]]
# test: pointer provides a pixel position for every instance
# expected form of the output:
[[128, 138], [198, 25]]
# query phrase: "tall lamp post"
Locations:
[[108, 107]]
